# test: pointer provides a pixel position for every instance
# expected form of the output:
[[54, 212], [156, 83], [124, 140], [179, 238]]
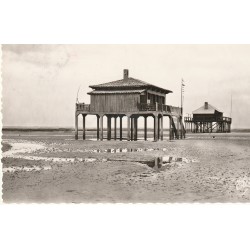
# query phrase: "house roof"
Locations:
[[127, 83], [202, 110], [132, 91]]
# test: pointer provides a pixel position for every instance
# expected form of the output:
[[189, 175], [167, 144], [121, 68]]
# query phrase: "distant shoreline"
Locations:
[[47, 129]]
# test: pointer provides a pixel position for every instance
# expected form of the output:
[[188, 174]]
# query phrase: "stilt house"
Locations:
[[207, 119], [131, 98]]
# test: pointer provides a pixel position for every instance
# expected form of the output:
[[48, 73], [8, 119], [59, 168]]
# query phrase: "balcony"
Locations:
[[208, 119], [159, 107], [82, 107], [143, 107]]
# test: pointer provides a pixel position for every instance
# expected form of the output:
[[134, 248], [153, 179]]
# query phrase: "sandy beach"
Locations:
[[53, 167]]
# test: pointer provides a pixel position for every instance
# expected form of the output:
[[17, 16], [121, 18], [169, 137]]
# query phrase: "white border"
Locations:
[[125, 226]]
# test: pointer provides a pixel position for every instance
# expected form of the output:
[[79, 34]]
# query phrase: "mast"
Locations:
[[77, 95], [182, 96]]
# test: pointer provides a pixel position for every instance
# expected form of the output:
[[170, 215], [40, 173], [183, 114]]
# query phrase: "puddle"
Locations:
[[53, 159], [115, 150], [159, 163], [165, 162], [25, 169], [18, 149], [22, 147]]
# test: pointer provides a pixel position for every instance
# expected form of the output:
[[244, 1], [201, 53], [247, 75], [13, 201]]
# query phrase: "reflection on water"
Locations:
[[165, 162], [25, 169], [122, 150]]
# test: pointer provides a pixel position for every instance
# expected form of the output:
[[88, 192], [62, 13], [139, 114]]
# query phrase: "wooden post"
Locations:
[[145, 128], [162, 128], [159, 126], [170, 128], [101, 125], [98, 127], [76, 127], [120, 128], [109, 127], [156, 128], [135, 128], [132, 128], [128, 127], [115, 128], [83, 127], [181, 133], [178, 128]]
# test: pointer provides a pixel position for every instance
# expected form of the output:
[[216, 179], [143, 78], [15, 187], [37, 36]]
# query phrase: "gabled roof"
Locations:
[[202, 110], [133, 91], [127, 83]]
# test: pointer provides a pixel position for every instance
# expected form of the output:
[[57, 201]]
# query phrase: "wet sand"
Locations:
[[49, 168]]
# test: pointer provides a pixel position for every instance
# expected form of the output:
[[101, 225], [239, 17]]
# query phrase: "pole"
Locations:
[[182, 99], [128, 127], [101, 125]]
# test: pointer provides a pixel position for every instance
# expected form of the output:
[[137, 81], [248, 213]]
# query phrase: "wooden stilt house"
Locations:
[[130, 98], [208, 119]]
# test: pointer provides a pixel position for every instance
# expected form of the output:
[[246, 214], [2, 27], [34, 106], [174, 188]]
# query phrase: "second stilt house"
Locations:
[[208, 119]]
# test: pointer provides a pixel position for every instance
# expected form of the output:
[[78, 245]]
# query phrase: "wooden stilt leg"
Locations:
[[115, 127], [109, 127], [145, 128], [181, 130], [178, 128], [98, 127], [83, 127], [162, 128], [120, 128], [132, 128], [76, 127], [128, 128], [170, 128], [159, 127], [156, 128], [135, 128], [101, 125]]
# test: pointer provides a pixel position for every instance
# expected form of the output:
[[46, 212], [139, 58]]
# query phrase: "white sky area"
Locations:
[[40, 82]]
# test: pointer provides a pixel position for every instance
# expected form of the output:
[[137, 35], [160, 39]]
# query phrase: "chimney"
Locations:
[[206, 105], [125, 74]]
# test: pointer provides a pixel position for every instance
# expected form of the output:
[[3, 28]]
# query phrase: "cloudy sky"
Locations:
[[40, 82]]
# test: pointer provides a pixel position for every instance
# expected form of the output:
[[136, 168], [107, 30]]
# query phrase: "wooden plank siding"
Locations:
[[114, 102], [207, 117]]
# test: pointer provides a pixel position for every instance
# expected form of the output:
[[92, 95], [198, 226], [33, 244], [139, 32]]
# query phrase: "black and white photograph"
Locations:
[[125, 123]]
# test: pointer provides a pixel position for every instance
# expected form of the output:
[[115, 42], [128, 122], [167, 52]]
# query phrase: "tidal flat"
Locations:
[[52, 167]]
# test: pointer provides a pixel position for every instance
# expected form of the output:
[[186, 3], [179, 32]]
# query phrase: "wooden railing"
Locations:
[[82, 107], [227, 119], [159, 107], [147, 107], [208, 119], [142, 107]]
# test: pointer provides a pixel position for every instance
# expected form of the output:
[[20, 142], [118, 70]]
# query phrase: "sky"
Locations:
[[40, 82]]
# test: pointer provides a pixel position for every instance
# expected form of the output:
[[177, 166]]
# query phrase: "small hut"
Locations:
[[208, 119]]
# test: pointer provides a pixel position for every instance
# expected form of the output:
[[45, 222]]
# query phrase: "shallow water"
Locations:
[[18, 150], [27, 169]]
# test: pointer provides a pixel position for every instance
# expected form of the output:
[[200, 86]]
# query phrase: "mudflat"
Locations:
[[54, 168]]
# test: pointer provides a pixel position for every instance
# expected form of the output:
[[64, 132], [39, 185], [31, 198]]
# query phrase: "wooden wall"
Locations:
[[207, 117], [114, 102]]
